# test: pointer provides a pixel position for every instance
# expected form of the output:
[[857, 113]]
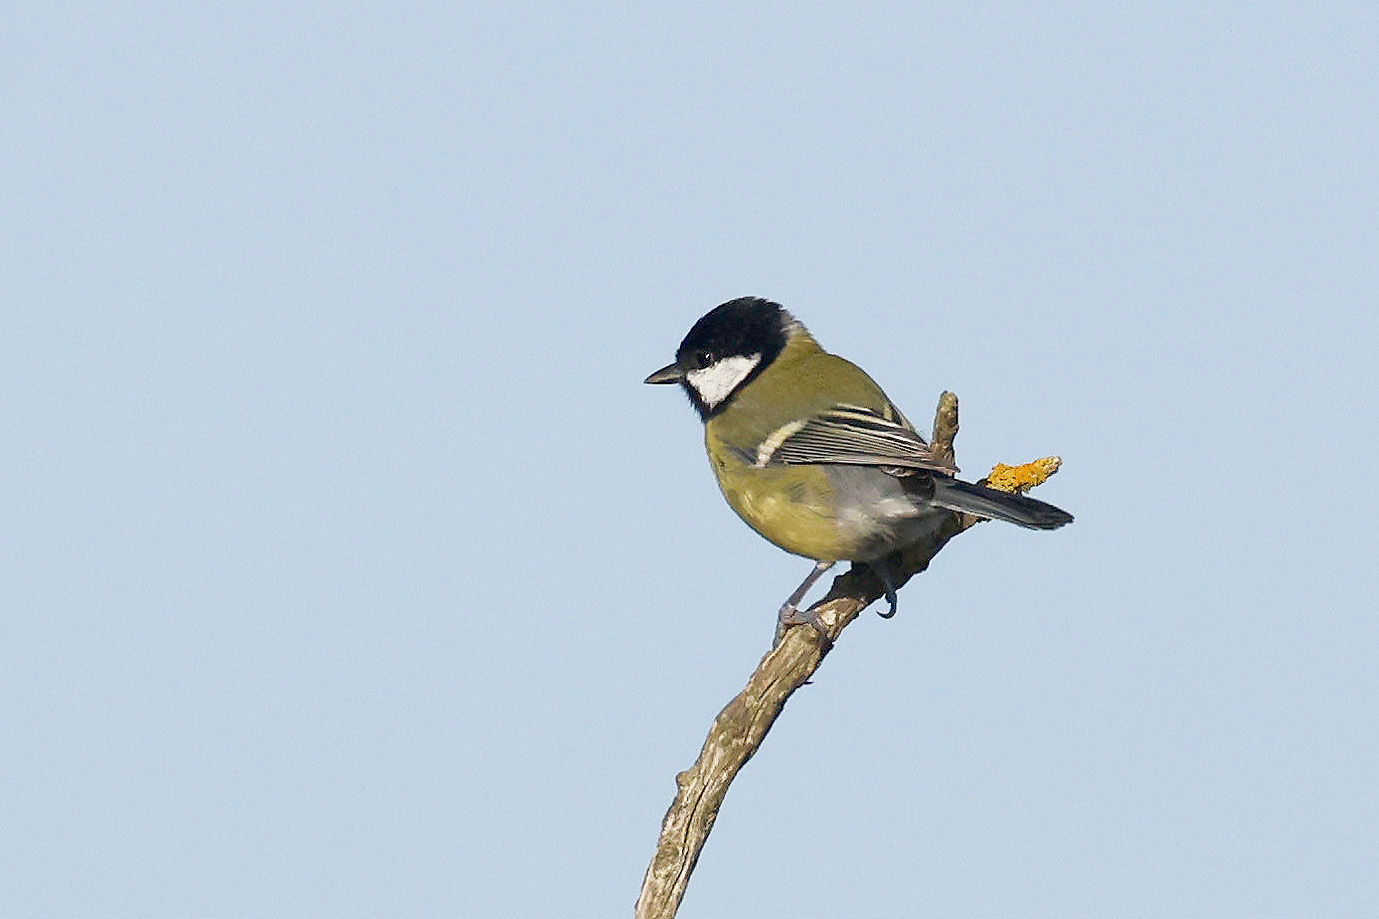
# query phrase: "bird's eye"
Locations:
[[703, 359]]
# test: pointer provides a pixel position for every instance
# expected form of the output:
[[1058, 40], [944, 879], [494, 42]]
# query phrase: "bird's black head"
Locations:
[[726, 349], [739, 328]]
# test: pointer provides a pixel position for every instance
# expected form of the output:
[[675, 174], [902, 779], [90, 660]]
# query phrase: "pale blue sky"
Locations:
[[349, 569]]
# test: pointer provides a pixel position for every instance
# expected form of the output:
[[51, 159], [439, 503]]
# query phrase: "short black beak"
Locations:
[[670, 373]]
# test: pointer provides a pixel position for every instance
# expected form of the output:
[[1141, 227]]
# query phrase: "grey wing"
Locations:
[[849, 435]]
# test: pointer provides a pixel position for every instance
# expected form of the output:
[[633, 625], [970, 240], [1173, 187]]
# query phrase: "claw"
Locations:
[[884, 574], [791, 616]]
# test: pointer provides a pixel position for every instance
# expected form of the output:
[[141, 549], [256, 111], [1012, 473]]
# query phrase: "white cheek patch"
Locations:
[[717, 381]]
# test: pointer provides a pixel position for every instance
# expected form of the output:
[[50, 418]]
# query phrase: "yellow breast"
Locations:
[[789, 505]]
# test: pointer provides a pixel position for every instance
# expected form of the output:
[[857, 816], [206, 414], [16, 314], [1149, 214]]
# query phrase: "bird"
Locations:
[[812, 454]]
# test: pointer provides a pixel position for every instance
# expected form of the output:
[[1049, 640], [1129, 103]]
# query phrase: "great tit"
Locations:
[[813, 455]]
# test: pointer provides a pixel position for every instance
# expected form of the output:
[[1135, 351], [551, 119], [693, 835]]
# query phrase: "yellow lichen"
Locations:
[[1020, 479]]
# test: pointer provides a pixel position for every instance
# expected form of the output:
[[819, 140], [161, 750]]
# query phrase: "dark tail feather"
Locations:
[[998, 505]]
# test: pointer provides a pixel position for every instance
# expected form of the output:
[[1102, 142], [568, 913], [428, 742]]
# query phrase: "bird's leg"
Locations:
[[790, 612], [883, 573]]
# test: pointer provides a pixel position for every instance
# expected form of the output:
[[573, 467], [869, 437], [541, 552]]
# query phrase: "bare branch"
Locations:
[[743, 723]]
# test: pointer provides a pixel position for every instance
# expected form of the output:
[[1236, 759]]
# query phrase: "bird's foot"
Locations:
[[884, 574], [791, 616]]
